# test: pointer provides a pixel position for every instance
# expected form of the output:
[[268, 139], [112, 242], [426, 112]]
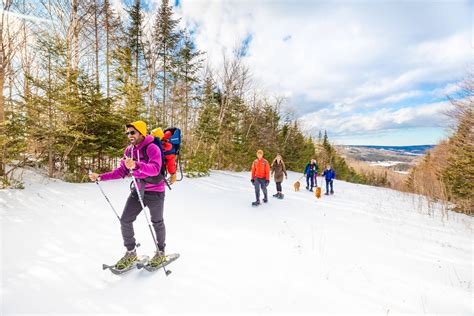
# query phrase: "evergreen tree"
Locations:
[[134, 40], [44, 107], [166, 38], [129, 94], [187, 67], [458, 172], [205, 133]]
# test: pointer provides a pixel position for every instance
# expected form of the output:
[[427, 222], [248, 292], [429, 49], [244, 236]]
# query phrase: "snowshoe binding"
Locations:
[[159, 261], [128, 262]]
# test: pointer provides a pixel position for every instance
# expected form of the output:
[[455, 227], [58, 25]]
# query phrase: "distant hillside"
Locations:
[[397, 158], [415, 150]]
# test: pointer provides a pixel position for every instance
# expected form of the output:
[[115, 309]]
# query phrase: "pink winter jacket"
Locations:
[[143, 169]]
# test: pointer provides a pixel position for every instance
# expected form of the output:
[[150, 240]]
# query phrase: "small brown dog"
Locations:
[[296, 185], [317, 192]]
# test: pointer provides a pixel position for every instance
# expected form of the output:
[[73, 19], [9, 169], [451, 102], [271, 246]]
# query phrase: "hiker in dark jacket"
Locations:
[[144, 166], [329, 175], [310, 171], [278, 171]]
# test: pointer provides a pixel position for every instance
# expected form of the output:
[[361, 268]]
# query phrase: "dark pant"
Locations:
[[278, 186], [154, 201], [310, 179], [329, 183], [260, 183]]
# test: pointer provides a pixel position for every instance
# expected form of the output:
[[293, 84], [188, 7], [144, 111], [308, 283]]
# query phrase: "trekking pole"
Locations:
[[167, 272], [180, 165], [116, 214], [103, 193]]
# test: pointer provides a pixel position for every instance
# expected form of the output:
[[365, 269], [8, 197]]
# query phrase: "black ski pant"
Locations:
[[278, 184], [260, 183], [155, 202]]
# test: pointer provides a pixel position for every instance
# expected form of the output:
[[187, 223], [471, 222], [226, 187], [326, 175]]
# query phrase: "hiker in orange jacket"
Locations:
[[260, 177]]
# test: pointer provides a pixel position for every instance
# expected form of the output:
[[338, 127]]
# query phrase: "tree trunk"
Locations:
[[136, 62], [96, 29], [164, 85], [107, 57], [50, 123], [186, 105], [2, 112], [3, 64]]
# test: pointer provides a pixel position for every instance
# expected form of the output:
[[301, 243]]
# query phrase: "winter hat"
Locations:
[[157, 132], [140, 126]]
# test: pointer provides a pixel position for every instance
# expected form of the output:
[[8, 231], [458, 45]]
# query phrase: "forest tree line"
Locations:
[[73, 73]]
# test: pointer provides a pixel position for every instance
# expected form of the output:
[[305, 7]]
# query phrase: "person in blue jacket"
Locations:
[[310, 171], [329, 174]]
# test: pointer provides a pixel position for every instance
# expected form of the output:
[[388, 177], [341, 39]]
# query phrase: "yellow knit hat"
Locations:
[[158, 132], [140, 126]]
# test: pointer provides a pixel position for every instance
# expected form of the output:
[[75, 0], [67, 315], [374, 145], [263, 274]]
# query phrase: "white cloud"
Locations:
[[425, 115], [119, 8], [447, 90], [29, 17], [401, 96]]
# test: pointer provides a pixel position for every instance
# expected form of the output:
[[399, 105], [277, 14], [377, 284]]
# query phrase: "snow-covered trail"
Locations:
[[363, 250]]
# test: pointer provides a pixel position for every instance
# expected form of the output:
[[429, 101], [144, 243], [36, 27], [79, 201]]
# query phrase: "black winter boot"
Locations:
[[256, 203]]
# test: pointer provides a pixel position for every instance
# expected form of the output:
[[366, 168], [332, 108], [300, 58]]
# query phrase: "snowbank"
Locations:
[[364, 250]]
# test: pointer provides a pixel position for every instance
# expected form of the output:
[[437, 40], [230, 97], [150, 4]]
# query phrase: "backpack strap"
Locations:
[[154, 179]]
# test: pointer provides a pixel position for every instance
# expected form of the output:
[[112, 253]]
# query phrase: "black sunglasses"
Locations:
[[130, 133]]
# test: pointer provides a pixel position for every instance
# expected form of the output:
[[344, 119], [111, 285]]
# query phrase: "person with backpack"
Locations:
[[143, 159], [329, 175], [170, 155], [278, 171], [316, 174], [310, 171], [260, 177]]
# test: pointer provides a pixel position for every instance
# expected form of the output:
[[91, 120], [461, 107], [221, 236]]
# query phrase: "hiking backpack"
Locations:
[[174, 140]]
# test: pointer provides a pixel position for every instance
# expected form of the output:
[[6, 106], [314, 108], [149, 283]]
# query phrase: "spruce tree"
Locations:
[[134, 35], [166, 39], [188, 65]]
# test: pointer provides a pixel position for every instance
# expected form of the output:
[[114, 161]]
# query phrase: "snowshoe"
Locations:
[[281, 196], [128, 262], [159, 261]]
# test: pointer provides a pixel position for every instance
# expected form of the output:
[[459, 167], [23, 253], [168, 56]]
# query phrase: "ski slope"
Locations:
[[364, 250]]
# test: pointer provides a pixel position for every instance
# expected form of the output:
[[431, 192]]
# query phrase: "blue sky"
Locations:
[[369, 72]]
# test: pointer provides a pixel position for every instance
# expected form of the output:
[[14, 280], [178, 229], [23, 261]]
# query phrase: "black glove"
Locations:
[[252, 181], [267, 182]]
